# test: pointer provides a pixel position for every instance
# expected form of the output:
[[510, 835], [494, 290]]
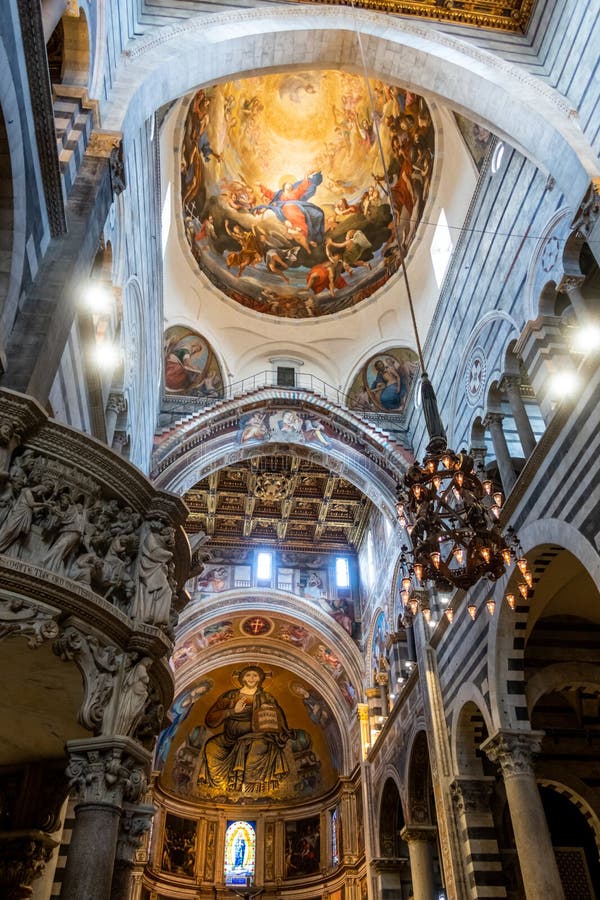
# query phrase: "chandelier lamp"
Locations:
[[450, 513]]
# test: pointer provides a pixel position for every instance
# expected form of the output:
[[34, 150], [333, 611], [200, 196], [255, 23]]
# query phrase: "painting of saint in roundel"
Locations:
[[286, 199], [190, 364], [383, 383]]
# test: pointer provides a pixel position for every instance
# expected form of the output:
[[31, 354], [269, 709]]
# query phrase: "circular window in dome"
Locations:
[[286, 196]]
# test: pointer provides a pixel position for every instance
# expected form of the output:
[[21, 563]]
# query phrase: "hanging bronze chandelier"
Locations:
[[451, 515]]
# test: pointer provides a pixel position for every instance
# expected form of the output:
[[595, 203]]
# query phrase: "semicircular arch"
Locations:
[[516, 105]]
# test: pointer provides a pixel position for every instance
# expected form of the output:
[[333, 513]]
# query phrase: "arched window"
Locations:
[[240, 852]]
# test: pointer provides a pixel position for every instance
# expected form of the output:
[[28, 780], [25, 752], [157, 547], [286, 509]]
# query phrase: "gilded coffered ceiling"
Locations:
[[281, 501], [510, 15]]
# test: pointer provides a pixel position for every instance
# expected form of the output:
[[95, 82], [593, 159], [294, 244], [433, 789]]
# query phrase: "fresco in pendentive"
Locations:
[[255, 735], [284, 193], [476, 137], [384, 382], [190, 364]]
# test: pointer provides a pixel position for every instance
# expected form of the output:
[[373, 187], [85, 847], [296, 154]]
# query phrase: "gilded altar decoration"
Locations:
[[383, 383], [191, 366], [284, 194]]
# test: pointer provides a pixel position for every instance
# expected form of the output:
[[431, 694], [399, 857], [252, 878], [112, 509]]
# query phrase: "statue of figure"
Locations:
[[153, 601], [19, 520], [132, 697], [248, 754], [68, 519], [10, 435]]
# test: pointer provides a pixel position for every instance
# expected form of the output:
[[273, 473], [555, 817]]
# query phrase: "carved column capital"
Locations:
[[492, 419], [570, 283], [135, 823], [588, 213], [23, 855], [415, 833], [107, 770], [472, 795], [116, 403], [510, 383], [513, 751]]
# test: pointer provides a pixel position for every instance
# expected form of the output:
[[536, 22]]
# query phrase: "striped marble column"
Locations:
[[483, 864]]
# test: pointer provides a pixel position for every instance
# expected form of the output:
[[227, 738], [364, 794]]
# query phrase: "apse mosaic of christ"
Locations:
[[286, 194]]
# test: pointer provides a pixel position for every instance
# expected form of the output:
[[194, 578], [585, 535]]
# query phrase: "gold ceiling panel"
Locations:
[[511, 15], [278, 500]]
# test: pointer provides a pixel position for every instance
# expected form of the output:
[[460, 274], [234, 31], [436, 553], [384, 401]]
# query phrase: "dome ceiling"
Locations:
[[283, 187]]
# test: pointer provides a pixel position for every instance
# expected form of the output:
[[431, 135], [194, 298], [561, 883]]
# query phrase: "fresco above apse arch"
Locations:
[[190, 365], [383, 384], [284, 192]]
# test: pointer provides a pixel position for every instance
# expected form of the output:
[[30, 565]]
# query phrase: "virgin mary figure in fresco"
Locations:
[[305, 221], [249, 753]]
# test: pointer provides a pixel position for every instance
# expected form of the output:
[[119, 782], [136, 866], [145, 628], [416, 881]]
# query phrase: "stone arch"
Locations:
[[13, 215], [390, 818], [470, 723], [206, 442], [275, 652], [547, 259], [418, 782], [559, 676], [271, 601], [578, 801], [542, 539], [519, 107]]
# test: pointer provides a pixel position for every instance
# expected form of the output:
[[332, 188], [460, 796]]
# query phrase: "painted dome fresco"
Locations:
[[285, 194]]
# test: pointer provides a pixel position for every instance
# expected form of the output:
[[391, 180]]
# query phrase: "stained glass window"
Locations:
[[335, 852], [240, 852]]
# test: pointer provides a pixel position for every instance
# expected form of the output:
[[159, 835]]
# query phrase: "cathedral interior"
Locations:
[[299, 449]]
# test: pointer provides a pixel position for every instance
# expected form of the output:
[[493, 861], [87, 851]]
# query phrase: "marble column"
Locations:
[[419, 839], [511, 385], [493, 421], [114, 407], [513, 751], [103, 772], [136, 821], [471, 796]]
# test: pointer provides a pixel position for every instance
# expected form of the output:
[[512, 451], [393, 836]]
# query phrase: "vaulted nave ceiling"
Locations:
[[278, 500]]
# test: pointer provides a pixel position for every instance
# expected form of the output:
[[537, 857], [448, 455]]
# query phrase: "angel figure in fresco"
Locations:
[[304, 221], [355, 245], [249, 753], [250, 253]]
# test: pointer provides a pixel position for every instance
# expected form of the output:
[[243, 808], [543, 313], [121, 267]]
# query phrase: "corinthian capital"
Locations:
[[513, 751], [134, 825], [107, 770], [472, 795]]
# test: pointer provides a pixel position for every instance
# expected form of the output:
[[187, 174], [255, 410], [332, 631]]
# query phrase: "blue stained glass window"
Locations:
[[335, 850], [240, 852]]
